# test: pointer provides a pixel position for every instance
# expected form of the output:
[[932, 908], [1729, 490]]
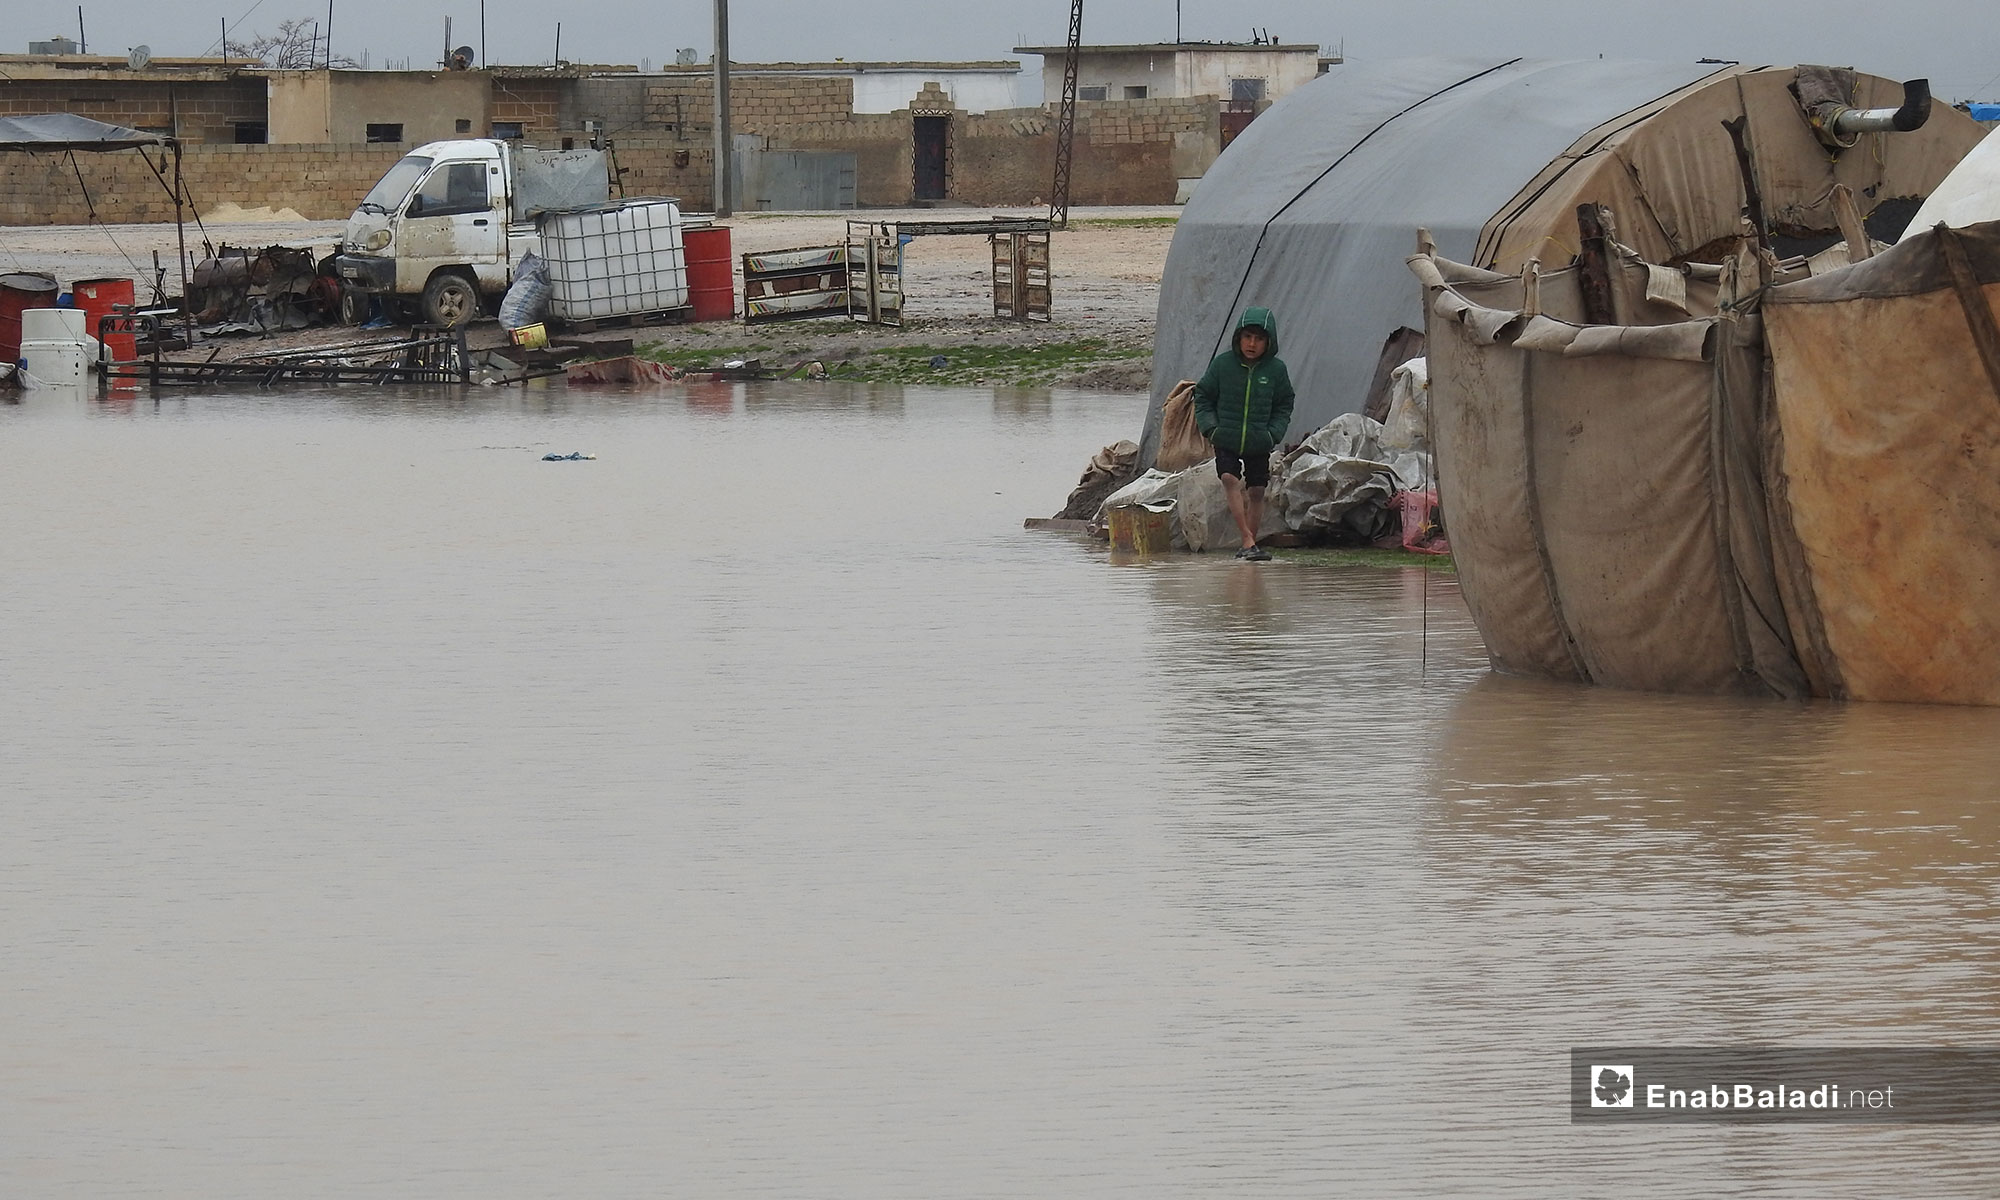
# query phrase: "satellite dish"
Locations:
[[461, 58], [140, 56]]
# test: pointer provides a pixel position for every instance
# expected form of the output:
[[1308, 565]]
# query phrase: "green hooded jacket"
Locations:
[[1245, 407]]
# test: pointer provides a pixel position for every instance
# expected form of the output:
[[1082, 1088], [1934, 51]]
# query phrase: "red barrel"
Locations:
[[20, 292], [98, 297], [711, 273]]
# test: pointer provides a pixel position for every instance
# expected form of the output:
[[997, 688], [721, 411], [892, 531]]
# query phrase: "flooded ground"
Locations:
[[756, 810]]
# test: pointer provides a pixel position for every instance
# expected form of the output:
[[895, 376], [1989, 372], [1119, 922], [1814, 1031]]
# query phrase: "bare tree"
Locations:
[[294, 47]]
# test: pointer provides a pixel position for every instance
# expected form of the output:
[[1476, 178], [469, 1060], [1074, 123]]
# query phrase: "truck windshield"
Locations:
[[395, 186]]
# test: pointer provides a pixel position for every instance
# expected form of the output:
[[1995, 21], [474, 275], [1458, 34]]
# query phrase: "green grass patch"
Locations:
[[1124, 222], [1362, 556], [1027, 366]]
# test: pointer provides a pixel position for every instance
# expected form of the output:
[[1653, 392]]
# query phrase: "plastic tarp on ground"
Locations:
[[67, 131], [1887, 393], [1313, 209]]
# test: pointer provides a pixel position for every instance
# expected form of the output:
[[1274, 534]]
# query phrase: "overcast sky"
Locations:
[[1953, 42]]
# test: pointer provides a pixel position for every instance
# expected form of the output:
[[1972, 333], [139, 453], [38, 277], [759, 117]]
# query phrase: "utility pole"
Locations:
[[723, 198], [1066, 122]]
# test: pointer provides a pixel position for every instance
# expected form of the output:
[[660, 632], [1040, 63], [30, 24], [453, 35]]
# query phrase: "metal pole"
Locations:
[[329, 35], [724, 197], [483, 60], [1066, 122], [180, 232], [82, 43]]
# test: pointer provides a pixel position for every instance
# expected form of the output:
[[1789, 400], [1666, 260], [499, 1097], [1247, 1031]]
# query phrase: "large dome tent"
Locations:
[[1313, 210]]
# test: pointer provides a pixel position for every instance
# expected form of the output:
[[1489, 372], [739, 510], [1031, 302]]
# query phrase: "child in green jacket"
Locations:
[[1243, 404]]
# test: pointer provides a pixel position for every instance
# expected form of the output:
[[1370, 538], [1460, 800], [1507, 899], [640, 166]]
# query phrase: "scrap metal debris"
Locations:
[[241, 290]]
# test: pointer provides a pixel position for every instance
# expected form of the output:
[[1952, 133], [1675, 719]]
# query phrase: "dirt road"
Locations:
[[1106, 270]]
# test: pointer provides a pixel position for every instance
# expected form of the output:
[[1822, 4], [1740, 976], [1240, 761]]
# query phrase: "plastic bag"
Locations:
[[527, 300]]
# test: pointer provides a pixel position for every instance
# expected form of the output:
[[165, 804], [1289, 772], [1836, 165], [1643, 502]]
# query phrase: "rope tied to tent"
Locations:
[[91, 207], [160, 173]]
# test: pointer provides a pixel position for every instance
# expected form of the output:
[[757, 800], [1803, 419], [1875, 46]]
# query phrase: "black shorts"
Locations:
[[1254, 471]]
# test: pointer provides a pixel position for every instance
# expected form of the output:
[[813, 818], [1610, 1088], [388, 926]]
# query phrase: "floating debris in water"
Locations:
[[572, 456]]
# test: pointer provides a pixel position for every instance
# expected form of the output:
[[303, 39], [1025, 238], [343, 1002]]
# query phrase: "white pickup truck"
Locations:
[[446, 225]]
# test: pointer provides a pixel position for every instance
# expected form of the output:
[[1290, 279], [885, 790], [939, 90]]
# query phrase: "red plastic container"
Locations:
[[711, 273], [98, 297], [20, 292]]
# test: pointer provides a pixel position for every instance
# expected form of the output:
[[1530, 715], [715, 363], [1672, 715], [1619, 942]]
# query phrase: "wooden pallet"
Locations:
[[670, 316]]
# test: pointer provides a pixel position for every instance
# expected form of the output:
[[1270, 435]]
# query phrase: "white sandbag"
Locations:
[[1153, 485], [1408, 426]]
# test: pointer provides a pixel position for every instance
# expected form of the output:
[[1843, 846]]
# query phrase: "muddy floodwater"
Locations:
[[756, 810]]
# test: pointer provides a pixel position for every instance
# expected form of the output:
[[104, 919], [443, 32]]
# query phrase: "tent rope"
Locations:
[[160, 173], [91, 206]]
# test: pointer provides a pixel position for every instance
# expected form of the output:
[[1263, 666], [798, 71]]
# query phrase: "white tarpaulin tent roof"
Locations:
[[1968, 196], [67, 131], [1313, 209]]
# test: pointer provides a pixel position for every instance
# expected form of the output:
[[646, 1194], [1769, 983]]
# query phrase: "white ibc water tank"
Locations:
[[616, 260], [55, 325], [56, 363]]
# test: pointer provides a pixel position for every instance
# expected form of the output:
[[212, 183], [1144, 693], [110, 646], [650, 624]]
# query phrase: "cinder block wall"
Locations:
[[320, 182], [208, 109], [1127, 152], [536, 103]]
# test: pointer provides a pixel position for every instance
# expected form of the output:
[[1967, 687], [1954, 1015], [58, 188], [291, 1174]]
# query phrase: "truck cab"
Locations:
[[446, 224]]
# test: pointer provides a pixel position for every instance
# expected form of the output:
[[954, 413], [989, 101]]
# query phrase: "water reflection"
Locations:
[[759, 810], [1029, 406], [1838, 798]]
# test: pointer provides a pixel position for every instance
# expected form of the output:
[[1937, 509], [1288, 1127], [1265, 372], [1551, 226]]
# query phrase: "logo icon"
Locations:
[[1611, 1087]]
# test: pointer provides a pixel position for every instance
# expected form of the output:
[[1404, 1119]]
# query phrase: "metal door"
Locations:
[[933, 135]]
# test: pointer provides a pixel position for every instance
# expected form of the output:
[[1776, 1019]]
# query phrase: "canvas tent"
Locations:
[[1313, 209], [1885, 385], [1779, 490]]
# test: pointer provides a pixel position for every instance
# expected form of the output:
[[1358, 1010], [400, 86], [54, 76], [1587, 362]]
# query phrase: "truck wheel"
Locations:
[[450, 300], [353, 306]]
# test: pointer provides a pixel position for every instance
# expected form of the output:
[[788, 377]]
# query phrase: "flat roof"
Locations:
[[1175, 48], [839, 67], [836, 67], [23, 68]]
